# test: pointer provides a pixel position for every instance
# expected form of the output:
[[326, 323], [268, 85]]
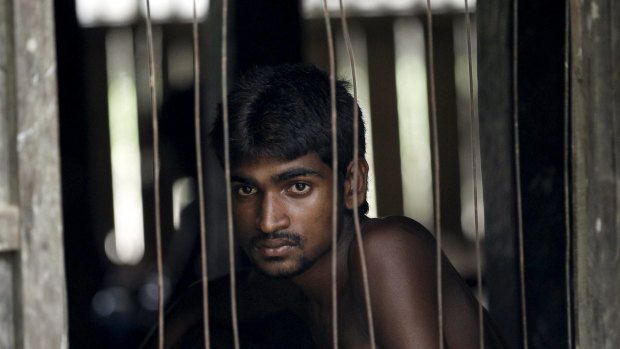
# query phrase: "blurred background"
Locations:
[[107, 151]]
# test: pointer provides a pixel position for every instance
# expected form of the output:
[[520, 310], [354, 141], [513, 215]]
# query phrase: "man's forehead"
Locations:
[[272, 166]]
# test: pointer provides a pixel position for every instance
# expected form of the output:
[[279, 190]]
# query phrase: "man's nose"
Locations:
[[272, 216]]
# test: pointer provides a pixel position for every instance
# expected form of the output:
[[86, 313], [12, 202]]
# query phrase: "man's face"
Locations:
[[282, 212]]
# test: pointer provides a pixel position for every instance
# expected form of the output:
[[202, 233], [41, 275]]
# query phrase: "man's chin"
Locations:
[[279, 269]]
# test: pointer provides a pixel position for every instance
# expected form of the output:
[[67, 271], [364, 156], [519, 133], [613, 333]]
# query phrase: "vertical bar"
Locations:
[[231, 239], [7, 301], [40, 293], [595, 111], [7, 95], [332, 89], [381, 44], [156, 180], [414, 119], [517, 152], [356, 141], [473, 122], [567, 182], [200, 177], [436, 185], [493, 20]]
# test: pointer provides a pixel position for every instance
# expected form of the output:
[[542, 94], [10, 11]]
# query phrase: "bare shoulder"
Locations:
[[392, 237], [393, 243], [400, 262]]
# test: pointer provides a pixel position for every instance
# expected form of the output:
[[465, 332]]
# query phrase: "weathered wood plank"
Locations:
[[7, 119], [9, 228], [595, 77], [7, 302], [541, 100], [495, 83], [41, 285], [8, 218], [383, 107]]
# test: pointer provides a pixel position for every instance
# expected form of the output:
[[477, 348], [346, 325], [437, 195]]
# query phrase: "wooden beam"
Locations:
[[383, 107], [595, 76], [497, 162], [41, 277], [7, 118], [449, 175], [8, 214], [541, 103], [539, 56], [8, 211], [9, 228]]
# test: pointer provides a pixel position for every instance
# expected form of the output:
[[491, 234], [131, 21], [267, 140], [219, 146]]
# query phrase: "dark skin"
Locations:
[[272, 196], [283, 221]]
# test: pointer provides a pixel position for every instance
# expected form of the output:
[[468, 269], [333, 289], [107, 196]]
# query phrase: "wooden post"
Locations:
[[8, 213], [383, 107], [450, 190], [497, 162], [539, 101], [32, 282], [595, 77]]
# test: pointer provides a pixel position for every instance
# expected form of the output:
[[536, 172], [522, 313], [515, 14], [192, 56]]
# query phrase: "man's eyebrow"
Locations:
[[295, 172], [242, 179], [280, 177]]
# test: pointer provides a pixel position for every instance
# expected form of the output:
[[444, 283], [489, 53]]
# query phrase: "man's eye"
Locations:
[[245, 190], [300, 188]]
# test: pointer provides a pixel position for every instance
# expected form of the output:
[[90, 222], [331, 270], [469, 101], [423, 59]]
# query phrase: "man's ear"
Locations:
[[353, 185]]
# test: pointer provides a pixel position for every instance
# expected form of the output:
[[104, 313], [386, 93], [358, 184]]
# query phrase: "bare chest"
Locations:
[[352, 327]]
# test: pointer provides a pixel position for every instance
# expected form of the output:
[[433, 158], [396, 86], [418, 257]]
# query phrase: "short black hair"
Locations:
[[284, 112]]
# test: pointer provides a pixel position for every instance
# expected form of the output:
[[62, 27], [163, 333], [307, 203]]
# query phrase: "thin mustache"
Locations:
[[284, 235]]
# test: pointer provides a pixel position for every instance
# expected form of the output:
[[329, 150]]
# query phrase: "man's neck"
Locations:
[[316, 282]]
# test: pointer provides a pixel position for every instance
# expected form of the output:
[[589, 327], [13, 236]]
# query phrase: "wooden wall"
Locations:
[[32, 277], [32, 282], [558, 71], [521, 52], [595, 78]]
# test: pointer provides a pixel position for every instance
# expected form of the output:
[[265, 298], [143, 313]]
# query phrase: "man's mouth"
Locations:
[[276, 246]]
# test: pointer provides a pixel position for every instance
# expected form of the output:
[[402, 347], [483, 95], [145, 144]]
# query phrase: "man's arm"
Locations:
[[402, 272], [401, 261]]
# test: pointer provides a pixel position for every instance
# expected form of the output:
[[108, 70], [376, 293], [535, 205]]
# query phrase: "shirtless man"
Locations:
[[281, 175]]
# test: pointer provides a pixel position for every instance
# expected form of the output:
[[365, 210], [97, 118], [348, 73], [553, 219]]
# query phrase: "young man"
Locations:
[[281, 156]]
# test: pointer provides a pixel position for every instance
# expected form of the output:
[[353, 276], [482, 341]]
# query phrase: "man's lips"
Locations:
[[274, 247]]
